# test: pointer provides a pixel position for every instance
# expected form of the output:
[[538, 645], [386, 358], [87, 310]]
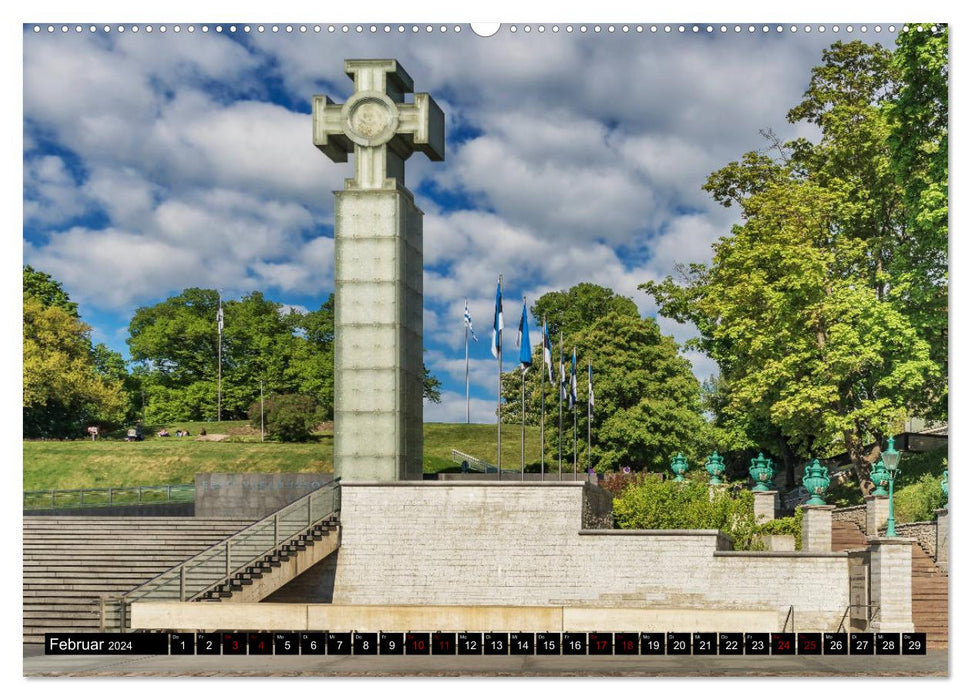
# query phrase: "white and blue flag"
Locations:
[[573, 379], [548, 351], [522, 341], [468, 321], [497, 323], [590, 383]]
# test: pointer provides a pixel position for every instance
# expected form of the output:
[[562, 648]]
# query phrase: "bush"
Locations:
[[688, 505], [784, 526], [918, 501], [288, 417]]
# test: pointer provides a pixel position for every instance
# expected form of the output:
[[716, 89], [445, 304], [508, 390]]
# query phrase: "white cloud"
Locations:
[[452, 409]]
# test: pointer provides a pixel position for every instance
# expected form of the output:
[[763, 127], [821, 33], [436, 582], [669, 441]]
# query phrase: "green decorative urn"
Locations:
[[944, 485], [816, 480], [679, 465], [880, 478], [715, 466], [761, 471]]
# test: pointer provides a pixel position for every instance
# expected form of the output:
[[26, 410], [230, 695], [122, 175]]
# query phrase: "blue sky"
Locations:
[[155, 162]]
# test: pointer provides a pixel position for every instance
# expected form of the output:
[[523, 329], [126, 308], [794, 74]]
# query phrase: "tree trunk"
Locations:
[[789, 462]]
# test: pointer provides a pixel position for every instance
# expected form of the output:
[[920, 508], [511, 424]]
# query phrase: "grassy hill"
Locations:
[[113, 462]]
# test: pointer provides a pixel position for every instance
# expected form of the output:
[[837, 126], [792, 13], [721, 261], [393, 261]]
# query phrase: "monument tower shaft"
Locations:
[[378, 370]]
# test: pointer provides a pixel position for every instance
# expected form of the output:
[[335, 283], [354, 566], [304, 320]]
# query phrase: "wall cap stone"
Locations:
[[890, 540], [791, 555], [872, 497], [809, 507], [674, 533], [462, 484]]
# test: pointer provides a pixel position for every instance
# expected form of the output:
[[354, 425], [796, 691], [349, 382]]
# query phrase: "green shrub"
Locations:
[[918, 501], [791, 525], [288, 417], [688, 505]]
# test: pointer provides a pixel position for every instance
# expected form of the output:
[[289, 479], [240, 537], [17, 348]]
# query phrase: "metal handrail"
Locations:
[[174, 493], [215, 565], [869, 618], [792, 614], [478, 465]]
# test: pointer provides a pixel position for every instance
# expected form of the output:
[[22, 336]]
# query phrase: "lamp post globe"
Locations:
[[891, 460]]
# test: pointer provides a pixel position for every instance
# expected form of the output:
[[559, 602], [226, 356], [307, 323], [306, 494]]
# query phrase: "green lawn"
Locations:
[[113, 462]]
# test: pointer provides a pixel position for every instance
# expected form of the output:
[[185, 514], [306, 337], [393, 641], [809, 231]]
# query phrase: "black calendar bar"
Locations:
[[237, 643]]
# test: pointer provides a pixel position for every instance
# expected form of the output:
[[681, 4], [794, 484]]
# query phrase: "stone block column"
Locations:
[[817, 528], [943, 538], [877, 512], [890, 584], [766, 505]]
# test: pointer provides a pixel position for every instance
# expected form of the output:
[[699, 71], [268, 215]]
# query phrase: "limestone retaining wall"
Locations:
[[924, 532], [462, 543], [852, 514]]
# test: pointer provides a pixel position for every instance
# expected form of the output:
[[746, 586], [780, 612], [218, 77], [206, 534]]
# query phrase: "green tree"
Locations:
[[579, 307], [287, 417], [63, 390], [918, 142], [647, 401], [47, 290]]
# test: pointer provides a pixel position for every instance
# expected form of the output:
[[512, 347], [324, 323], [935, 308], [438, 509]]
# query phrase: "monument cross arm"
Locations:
[[378, 125]]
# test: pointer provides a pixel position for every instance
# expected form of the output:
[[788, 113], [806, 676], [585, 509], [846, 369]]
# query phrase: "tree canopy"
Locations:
[[823, 343]]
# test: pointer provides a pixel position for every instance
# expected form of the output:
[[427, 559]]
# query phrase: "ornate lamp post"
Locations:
[[761, 471], [816, 480], [679, 465], [715, 466], [880, 478], [891, 458]]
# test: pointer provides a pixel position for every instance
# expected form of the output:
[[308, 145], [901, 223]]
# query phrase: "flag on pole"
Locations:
[[590, 384], [497, 323], [522, 341], [468, 321], [219, 317], [573, 379], [563, 383], [548, 351]]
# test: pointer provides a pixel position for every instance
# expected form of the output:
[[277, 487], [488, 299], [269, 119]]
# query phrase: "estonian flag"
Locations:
[[468, 320], [219, 318], [573, 379], [548, 351], [563, 384], [590, 383], [522, 341], [497, 323]]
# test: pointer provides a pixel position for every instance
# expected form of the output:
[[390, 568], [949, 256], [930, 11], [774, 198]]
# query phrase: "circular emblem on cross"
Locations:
[[370, 118]]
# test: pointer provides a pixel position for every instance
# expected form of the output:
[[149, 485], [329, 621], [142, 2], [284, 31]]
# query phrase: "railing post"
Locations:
[[310, 512], [139, 495], [182, 583], [52, 499], [228, 554], [109, 495], [81, 495], [276, 529], [168, 493]]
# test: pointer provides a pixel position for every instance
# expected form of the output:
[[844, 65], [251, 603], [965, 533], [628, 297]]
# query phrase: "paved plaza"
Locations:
[[935, 663]]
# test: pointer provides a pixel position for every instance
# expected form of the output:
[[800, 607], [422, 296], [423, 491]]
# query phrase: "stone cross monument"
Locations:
[[378, 269]]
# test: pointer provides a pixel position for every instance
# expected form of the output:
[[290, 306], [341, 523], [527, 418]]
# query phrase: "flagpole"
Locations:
[[522, 436], [466, 368], [219, 362], [559, 445], [589, 409], [573, 381], [499, 398], [261, 410], [542, 410]]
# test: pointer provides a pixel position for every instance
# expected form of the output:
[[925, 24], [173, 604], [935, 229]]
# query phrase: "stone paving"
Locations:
[[935, 663]]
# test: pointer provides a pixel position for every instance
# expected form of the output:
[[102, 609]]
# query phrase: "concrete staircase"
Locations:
[[928, 584], [69, 562], [280, 566]]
